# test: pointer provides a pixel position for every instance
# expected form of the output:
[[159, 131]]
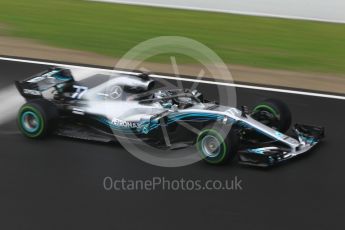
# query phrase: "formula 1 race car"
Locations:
[[103, 108]]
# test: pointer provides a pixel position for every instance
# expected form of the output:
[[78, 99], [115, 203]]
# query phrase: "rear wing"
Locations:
[[33, 87]]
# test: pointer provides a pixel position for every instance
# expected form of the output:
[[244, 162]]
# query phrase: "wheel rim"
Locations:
[[210, 146], [30, 122]]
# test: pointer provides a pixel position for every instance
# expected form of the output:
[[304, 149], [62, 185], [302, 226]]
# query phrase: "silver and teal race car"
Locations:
[[128, 106]]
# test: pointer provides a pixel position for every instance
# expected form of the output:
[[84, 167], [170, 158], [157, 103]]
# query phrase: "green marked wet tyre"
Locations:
[[37, 118], [273, 113], [216, 147]]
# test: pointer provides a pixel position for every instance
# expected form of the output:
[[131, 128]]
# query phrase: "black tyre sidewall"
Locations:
[[280, 108]]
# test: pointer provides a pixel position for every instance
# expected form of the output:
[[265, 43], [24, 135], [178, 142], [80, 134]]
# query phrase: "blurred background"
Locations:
[[308, 54]]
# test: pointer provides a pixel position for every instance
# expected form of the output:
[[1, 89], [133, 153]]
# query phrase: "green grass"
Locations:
[[113, 29]]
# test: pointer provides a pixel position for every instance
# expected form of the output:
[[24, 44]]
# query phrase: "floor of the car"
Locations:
[[83, 132]]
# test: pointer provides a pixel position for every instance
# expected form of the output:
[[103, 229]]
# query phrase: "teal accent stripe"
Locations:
[[171, 119]]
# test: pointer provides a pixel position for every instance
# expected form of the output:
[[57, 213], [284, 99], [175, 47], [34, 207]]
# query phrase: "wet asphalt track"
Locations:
[[57, 183]]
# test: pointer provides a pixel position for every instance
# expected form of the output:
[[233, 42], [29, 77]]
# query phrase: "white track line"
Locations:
[[174, 6], [183, 79]]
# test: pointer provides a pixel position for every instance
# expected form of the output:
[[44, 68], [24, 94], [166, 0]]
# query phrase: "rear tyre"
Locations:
[[273, 113], [37, 118], [217, 147]]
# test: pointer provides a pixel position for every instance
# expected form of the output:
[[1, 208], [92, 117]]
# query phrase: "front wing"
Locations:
[[308, 137]]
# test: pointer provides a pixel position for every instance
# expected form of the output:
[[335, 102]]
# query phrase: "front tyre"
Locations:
[[273, 113], [37, 118], [215, 147]]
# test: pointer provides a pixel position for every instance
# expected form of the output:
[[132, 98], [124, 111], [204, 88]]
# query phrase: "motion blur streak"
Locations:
[[10, 102], [11, 99]]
